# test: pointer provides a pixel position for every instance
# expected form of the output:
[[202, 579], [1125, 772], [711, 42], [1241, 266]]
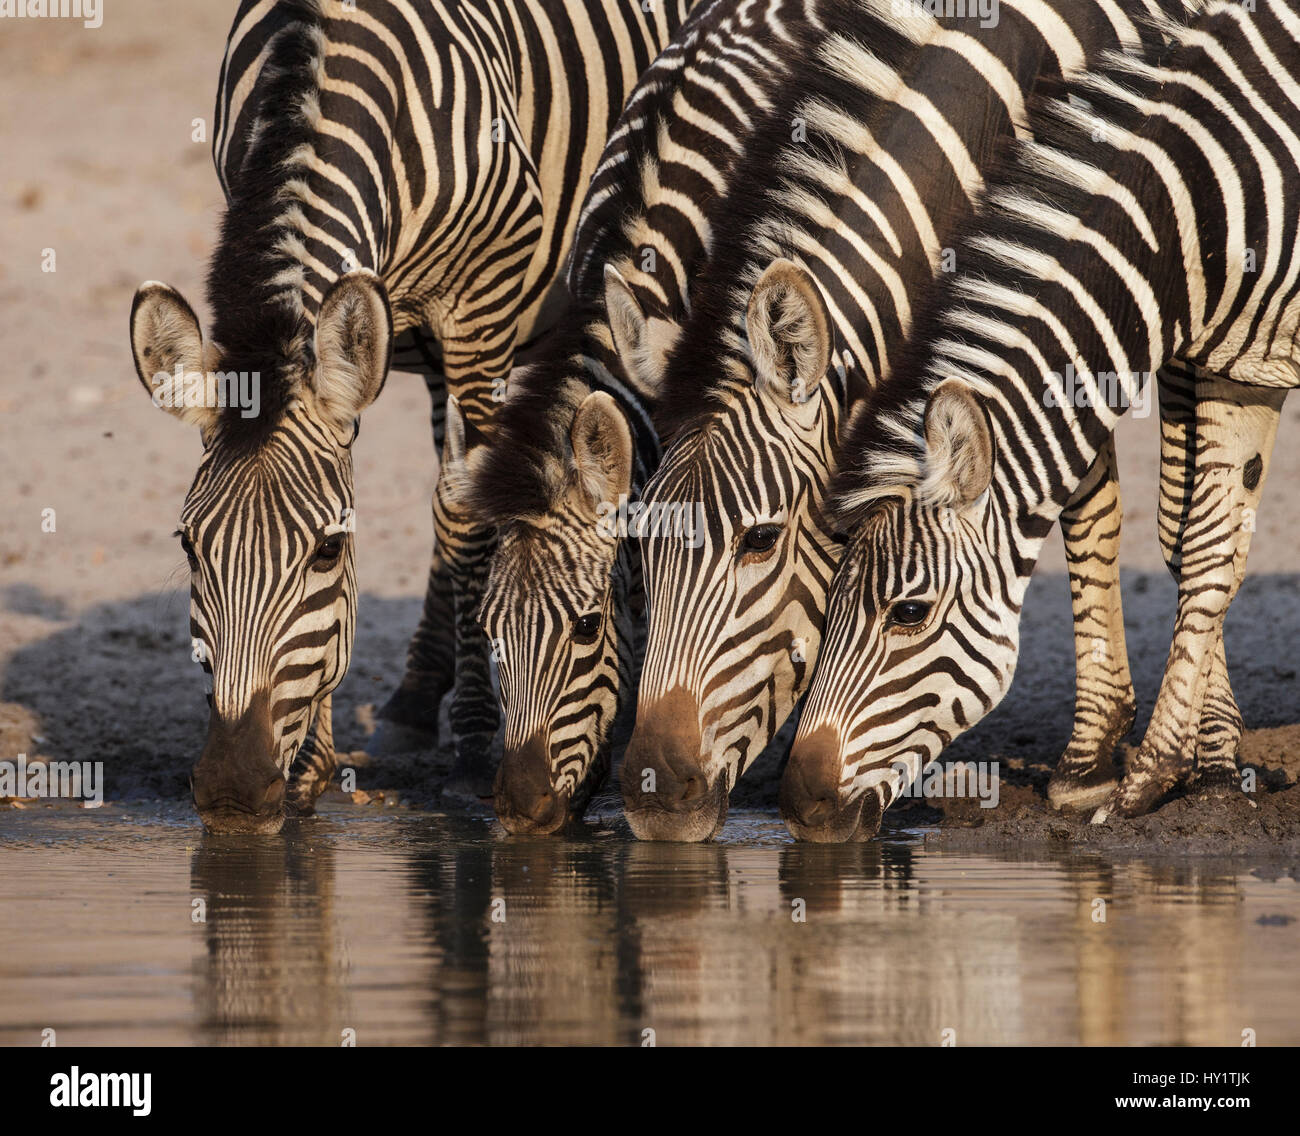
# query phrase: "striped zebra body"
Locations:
[[877, 152], [416, 168], [1155, 218], [574, 442]]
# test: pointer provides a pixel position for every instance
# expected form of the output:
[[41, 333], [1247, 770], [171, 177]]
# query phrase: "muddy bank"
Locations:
[[1267, 821]]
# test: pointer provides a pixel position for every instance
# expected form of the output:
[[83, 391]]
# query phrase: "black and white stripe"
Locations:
[[427, 160], [575, 437], [843, 211], [1156, 218]]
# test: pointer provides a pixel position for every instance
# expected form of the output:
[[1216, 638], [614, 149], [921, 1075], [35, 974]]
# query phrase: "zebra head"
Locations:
[[922, 628], [556, 609], [267, 528], [738, 555]]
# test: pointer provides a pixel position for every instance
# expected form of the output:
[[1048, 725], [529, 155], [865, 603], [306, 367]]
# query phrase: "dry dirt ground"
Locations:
[[99, 173]]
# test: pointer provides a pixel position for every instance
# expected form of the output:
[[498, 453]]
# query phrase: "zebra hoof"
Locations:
[[1132, 798], [393, 737], [1080, 792], [1217, 782], [415, 706], [468, 785]]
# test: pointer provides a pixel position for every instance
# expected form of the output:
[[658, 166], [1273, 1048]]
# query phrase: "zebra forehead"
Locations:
[[286, 482], [568, 559], [732, 459]]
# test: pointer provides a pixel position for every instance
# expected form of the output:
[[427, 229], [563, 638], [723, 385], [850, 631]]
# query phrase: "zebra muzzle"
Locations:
[[667, 794], [810, 800], [237, 787], [525, 800]]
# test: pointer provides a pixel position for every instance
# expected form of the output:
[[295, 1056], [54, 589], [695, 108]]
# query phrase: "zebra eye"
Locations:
[[190, 555], [586, 628], [329, 551], [760, 538], [908, 613]]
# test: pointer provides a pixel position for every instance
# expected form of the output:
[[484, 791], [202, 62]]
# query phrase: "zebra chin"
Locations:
[[702, 821], [810, 800], [525, 800], [237, 788], [225, 819]]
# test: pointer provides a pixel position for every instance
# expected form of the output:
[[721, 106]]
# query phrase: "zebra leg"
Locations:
[[468, 547], [1235, 429], [1104, 703], [411, 713], [430, 665], [1221, 725], [1217, 773], [474, 716], [313, 768]]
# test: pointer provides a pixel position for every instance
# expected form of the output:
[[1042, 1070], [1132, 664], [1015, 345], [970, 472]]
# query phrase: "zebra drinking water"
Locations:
[[1155, 215], [841, 214], [573, 444], [402, 178]]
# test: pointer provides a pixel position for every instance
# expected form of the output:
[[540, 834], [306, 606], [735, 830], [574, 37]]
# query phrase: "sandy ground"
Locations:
[[99, 165]]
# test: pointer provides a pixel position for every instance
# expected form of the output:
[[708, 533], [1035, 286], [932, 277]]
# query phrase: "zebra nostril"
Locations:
[[274, 793], [819, 810]]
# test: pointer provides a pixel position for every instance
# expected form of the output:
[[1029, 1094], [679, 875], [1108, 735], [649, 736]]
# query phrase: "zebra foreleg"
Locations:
[[1235, 429], [411, 713], [468, 547], [1104, 705], [313, 768], [474, 716], [1219, 738], [430, 666], [1221, 725]]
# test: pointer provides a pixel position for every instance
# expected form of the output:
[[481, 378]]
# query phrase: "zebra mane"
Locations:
[[255, 276], [758, 220], [1033, 197], [525, 469]]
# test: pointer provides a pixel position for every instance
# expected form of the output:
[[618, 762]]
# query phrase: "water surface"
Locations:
[[128, 926]]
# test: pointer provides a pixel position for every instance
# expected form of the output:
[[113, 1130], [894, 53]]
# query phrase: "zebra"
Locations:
[[1154, 216], [402, 178], [878, 150], [574, 441]]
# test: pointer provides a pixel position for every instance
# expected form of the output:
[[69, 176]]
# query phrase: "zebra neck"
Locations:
[[1060, 320], [297, 217], [288, 238], [602, 371]]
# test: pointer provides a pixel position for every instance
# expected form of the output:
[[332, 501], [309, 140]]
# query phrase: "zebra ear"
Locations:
[[354, 344], [602, 449], [643, 345], [959, 445], [165, 336], [459, 438], [789, 332]]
